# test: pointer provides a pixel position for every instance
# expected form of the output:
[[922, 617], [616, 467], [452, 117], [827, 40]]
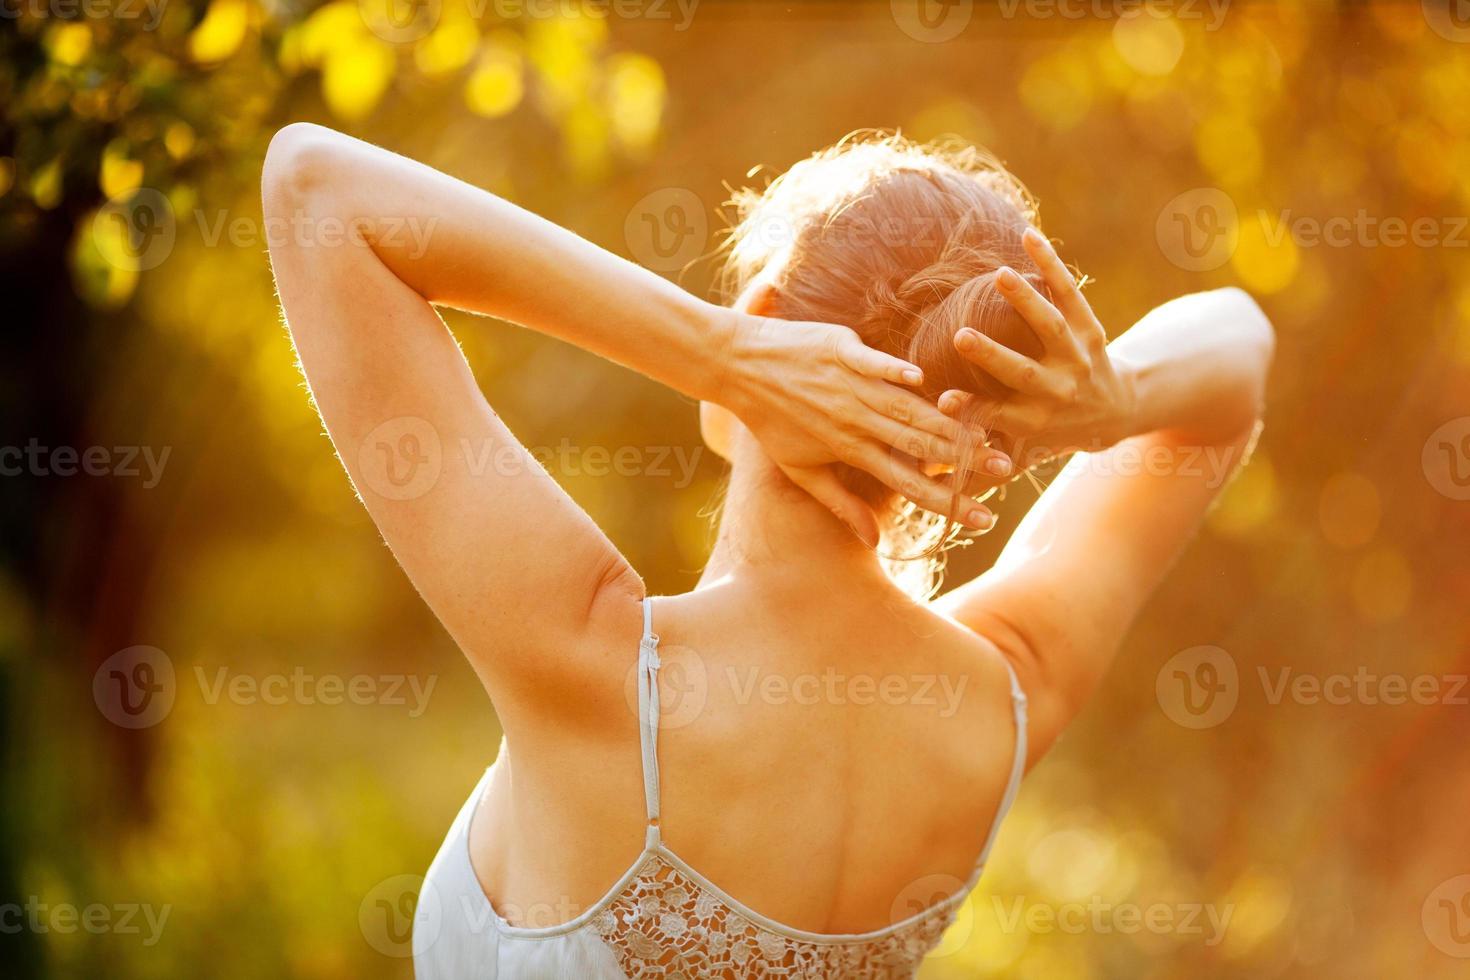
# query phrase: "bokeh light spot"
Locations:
[[1266, 256], [1150, 43]]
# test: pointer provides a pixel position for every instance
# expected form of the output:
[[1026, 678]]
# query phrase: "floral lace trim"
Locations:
[[665, 925]]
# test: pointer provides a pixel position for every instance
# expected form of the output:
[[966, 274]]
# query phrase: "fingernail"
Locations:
[[998, 465], [913, 376], [966, 339], [1033, 234], [948, 402], [981, 518], [1008, 278]]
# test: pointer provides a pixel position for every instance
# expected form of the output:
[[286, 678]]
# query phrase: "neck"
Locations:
[[772, 529]]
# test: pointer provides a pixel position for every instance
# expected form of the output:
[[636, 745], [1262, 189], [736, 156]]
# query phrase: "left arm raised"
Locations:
[[512, 567]]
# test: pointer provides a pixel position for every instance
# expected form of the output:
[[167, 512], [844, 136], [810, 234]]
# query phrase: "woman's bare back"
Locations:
[[833, 764]]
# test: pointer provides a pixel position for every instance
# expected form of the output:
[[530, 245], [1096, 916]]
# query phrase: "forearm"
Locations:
[[462, 247], [1196, 367]]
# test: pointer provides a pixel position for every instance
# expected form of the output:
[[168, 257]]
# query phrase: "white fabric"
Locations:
[[662, 918]]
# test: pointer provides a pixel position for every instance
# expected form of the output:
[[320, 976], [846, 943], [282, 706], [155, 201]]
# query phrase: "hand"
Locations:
[[815, 394], [1073, 398]]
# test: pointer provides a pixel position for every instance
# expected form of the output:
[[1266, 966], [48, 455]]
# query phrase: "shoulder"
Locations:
[[1001, 652]]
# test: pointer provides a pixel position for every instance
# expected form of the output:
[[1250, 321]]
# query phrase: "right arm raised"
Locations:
[[1094, 547]]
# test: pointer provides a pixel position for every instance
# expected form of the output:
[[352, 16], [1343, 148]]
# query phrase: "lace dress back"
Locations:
[[663, 919]]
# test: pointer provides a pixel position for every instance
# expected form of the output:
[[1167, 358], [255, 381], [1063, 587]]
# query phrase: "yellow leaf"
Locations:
[[336, 25], [118, 174], [495, 86], [355, 76], [99, 279], [46, 185], [69, 43], [178, 139], [449, 46], [220, 32]]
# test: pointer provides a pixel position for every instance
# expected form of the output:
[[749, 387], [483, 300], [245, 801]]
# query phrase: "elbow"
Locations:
[[300, 167], [1255, 326], [1257, 341]]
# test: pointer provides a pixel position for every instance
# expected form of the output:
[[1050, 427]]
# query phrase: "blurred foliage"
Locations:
[[179, 97], [264, 827]]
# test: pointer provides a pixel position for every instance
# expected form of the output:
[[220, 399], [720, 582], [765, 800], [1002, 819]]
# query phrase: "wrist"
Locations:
[[1127, 420], [727, 332]]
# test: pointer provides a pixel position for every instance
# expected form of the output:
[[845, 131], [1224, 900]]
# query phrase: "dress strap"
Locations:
[[1018, 769], [648, 714]]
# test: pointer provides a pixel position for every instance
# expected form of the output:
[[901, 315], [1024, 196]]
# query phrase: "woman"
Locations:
[[798, 768]]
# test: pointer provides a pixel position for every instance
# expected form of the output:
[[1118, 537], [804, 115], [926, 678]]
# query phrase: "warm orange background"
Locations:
[[1329, 831]]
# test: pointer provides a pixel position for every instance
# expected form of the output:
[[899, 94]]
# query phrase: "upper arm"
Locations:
[[514, 569], [1085, 559]]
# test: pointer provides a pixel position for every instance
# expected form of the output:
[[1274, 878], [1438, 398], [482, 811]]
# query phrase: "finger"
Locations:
[[913, 441], [1008, 367], [858, 356], [929, 493], [984, 414], [827, 489], [1063, 285], [910, 409], [1045, 320], [1000, 420], [929, 448]]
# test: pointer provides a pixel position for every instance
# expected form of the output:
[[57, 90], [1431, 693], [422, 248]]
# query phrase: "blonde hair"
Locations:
[[901, 242]]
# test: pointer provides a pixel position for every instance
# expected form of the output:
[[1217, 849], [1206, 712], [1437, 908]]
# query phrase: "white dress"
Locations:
[[662, 918]]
